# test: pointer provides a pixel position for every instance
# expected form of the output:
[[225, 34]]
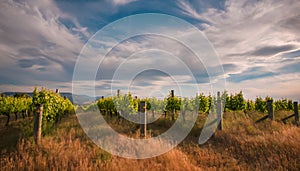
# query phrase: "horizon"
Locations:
[[133, 95]]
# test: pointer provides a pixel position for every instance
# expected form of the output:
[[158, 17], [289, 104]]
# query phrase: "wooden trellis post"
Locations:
[[173, 112], [38, 123], [143, 119], [296, 113], [118, 92], [219, 112], [270, 109]]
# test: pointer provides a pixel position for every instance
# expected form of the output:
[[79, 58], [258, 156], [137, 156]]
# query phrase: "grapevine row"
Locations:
[[126, 104], [54, 105]]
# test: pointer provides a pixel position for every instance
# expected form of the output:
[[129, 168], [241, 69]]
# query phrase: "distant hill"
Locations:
[[82, 99], [79, 99]]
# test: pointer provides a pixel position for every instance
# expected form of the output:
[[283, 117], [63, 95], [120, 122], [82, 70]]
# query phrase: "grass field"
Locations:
[[243, 145]]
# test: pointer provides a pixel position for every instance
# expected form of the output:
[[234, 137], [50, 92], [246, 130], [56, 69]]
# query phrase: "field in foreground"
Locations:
[[243, 145]]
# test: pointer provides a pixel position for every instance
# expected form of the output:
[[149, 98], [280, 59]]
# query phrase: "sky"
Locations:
[[257, 44]]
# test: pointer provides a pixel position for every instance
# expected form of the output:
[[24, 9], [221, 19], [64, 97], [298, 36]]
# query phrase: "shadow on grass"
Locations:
[[9, 135]]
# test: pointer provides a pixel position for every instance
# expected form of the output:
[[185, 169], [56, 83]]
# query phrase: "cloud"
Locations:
[[189, 10], [248, 25], [272, 50], [250, 74], [34, 44], [277, 86], [153, 52], [228, 68], [267, 51], [250, 30], [121, 2], [27, 63], [293, 54]]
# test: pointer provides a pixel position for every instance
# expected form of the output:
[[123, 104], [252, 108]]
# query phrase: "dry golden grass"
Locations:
[[243, 145]]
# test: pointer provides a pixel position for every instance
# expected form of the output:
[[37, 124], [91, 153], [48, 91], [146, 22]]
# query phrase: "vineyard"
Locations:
[[243, 144], [126, 104], [55, 106]]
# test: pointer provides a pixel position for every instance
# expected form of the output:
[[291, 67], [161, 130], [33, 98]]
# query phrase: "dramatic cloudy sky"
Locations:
[[258, 42]]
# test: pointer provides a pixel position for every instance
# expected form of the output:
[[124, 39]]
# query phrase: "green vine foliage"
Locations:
[[54, 105], [18, 104], [125, 104]]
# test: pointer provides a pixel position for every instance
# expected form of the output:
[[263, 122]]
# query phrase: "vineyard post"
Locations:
[[143, 119], [270, 109], [38, 123], [57, 90], [172, 93], [118, 112], [173, 112], [296, 112], [219, 111], [103, 111]]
